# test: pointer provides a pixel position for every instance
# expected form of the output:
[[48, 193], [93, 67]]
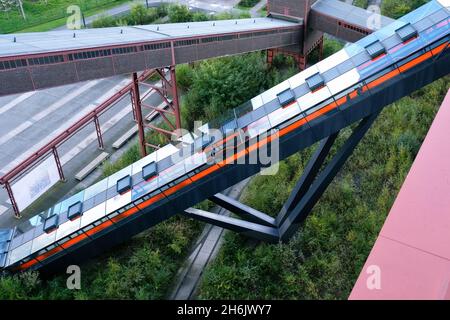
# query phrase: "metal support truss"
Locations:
[[300, 58], [169, 110], [304, 206], [250, 229], [242, 210], [309, 174], [301, 201]]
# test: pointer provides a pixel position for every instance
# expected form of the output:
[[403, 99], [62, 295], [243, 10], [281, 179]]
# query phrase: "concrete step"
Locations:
[[124, 138], [91, 166]]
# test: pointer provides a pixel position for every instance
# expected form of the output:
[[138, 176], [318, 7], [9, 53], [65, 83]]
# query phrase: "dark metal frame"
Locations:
[[306, 193]]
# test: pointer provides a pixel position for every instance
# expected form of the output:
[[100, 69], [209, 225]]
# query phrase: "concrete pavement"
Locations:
[[254, 12], [29, 121]]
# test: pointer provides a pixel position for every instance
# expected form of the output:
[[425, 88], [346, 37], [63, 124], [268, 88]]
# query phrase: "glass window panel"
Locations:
[[5, 235], [375, 49], [97, 188], [124, 184], [137, 166], [93, 214], [283, 114], [67, 228], [332, 61], [406, 32], [171, 173], [51, 223], [286, 97], [315, 81], [165, 152], [20, 252], [257, 102], [117, 202], [195, 161], [344, 81], [79, 197], [311, 99], [112, 180], [144, 188], [43, 240], [258, 127], [272, 93]]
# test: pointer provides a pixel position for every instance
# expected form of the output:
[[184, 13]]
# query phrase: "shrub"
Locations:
[[179, 13]]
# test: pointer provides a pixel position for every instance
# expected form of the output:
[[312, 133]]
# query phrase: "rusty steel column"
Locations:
[[270, 55], [13, 200], [98, 129], [132, 105], [321, 49], [175, 100], [58, 164], [136, 99]]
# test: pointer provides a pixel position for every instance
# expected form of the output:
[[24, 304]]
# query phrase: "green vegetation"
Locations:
[[138, 15], [175, 13], [46, 15], [361, 3], [396, 9], [247, 3], [326, 255], [217, 86], [143, 268]]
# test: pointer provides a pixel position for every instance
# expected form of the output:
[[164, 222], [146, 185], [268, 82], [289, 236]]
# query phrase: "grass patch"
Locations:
[[44, 17]]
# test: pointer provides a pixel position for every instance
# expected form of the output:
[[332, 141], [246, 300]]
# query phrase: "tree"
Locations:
[[200, 16], [220, 84], [179, 13], [7, 5], [396, 9], [138, 14], [19, 3]]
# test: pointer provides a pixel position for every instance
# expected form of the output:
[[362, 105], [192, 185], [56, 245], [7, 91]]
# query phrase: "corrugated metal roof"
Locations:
[[52, 41]]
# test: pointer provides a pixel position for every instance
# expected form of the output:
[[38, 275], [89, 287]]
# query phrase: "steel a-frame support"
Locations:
[[242, 210], [253, 230], [308, 190], [298, 209]]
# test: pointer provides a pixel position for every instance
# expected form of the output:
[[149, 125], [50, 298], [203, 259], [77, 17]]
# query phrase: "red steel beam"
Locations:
[[137, 107], [175, 101], [13, 200]]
